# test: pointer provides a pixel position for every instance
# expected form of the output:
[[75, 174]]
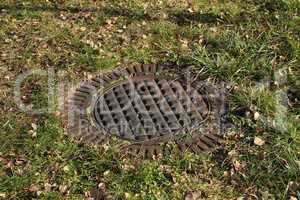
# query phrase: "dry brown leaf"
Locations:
[[33, 188], [237, 165], [83, 28], [63, 188], [194, 195], [47, 187], [4, 161], [126, 195], [66, 168], [258, 141]]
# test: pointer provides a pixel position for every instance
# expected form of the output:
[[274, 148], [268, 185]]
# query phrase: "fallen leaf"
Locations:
[[66, 168], [20, 161], [108, 21], [62, 188], [83, 28], [127, 195], [194, 195], [33, 188], [97, 194], [258, 141], [190, 10], [237, 165], [9, 165], [34, 126], [32, 133], [47, 187], [4, 161], [298, 162], [232, 153]]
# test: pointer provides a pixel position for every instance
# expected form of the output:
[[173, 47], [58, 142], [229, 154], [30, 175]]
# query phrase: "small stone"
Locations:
[[106, 173], [256, 116], [101, 185]]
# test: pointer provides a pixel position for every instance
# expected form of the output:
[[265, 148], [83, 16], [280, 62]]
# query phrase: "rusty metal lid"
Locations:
[[148, 106]]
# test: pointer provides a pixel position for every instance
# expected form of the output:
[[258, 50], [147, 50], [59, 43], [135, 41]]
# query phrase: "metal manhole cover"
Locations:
[[148, 106]]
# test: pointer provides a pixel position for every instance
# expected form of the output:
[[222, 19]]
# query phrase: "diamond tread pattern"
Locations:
[[133, 104]]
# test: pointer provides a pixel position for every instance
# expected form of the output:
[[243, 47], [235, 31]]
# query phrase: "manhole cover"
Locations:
[[147, 106]]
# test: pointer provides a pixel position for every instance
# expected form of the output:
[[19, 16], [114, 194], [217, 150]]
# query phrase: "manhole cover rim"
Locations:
[[89, 133]]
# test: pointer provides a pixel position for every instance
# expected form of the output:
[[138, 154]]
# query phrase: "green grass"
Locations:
[[245, 43]]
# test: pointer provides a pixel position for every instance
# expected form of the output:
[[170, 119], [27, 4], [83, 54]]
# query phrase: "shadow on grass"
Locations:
[[110, 11], [185, 17], [178, 17]]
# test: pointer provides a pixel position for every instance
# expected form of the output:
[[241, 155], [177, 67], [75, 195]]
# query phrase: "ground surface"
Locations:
[[255, 46]]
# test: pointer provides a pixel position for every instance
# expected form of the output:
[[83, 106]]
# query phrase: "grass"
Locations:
[[253, 45]]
